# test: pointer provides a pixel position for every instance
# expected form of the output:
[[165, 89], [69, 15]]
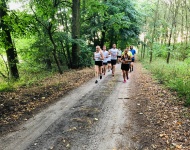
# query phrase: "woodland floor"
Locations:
[[138, 115], [22, 104]]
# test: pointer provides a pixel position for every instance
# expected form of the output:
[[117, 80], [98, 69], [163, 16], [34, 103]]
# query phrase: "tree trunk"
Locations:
[[10, 50], [154, 30], [75, 32], [175, 9], [54, 52], [67, 43], [48, 63]]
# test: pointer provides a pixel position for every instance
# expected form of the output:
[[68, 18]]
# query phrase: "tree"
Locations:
[[75, 32], [8, 43]]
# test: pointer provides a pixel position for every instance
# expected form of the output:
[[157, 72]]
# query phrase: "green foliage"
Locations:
[[175, 75], [118, 19], [86, 56], [45, 27], [6, 87], [160, 50]]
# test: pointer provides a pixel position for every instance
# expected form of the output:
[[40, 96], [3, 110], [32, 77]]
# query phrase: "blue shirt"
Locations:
[[133, 51]]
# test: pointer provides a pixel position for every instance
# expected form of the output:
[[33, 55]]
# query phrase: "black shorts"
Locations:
[[109, 62], [118, 56], [133, 60], [125, 67], [113, 62], [98, 63], [105, 63]]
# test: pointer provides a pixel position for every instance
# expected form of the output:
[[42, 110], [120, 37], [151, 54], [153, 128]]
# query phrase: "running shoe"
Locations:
[[96, 81], [124, 81], [127, 78], [100, 77]]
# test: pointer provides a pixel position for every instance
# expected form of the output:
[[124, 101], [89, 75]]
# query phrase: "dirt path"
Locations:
[[90, 117], [110, 115]]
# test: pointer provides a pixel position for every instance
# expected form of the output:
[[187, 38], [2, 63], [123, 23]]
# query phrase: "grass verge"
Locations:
[[175, 75]]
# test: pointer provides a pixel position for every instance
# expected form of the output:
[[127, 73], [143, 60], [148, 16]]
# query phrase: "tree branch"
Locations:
[[4, 76], [38, 19]]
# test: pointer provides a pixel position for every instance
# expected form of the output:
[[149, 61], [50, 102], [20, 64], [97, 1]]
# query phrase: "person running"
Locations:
[[133, 51], [105, 53], [98, 57], [125, 59], [109, 61], [114, 53], [119, 56]]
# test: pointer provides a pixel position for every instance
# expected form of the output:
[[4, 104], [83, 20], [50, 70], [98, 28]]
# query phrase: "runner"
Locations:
[[114, 53], [98, 57], [126, 59], [109, 61], [119, 56], [105, 53], [133, 51]]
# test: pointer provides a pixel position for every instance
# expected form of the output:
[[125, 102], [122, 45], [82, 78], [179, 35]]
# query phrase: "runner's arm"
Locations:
[[102, 56]]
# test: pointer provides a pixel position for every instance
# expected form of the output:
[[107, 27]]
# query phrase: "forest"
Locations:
[[45, 37]]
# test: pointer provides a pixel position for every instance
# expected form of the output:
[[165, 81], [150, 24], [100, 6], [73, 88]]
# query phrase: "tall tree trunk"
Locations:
[[67, 44], [75, 32], [175, 9], [144, 50], [154, 30], [64, 22], [54, 52], [186, 26], [10, 50]]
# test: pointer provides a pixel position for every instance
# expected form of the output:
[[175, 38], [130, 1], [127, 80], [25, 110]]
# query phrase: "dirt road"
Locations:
[[91, 117]]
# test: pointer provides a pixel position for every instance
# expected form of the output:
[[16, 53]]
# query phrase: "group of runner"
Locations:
[[107, 60]]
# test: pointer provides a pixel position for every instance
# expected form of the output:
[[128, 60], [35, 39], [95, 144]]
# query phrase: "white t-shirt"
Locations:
[[119, 52], [97, 56], [109, 57], [105, 53], [114, 53]]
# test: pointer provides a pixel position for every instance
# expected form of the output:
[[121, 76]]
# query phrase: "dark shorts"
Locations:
[[133, 60], [109, 62], [105, 63], [125, 67], [113, 62], [98, 63], [118, 56]]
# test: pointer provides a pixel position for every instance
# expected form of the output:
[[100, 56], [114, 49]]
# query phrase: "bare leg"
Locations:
[[113, 70], [119, 60], [124, 75], [131, 66], [105, 68], [109, 67], [127, 75], [100, 71], [96, 73]]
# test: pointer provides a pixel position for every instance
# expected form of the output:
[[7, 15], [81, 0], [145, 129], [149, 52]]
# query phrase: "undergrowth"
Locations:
[[27, 79], [175, 75]]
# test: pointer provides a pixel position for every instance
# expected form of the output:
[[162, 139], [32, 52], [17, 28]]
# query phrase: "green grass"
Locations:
[[175, 75], [29, 76]]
